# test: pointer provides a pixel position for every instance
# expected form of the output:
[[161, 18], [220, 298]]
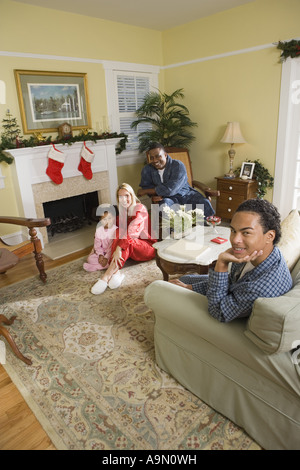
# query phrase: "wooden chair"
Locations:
[[9, 257], [182, 154], [5, 333], [32, 245]]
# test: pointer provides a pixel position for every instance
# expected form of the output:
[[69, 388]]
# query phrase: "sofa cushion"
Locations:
[[289, 243], [274, 324]]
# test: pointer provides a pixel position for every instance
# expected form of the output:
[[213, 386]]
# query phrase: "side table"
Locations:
[[171, 264], [233, 191]]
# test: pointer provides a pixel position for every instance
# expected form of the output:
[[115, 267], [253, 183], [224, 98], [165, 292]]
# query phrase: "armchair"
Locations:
[[10, 254], [182, 154]]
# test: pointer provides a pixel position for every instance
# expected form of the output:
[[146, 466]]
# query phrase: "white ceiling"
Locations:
[[154, 14]]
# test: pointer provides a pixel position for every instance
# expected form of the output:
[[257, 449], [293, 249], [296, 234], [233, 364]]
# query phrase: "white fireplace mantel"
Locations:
[[29, 173]]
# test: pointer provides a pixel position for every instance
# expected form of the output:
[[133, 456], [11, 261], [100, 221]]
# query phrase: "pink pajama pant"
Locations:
[[92, 263]]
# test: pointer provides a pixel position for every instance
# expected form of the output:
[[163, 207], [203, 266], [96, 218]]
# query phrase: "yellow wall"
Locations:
[[253, 24], [243, 87], [33, 30], [238, 88]]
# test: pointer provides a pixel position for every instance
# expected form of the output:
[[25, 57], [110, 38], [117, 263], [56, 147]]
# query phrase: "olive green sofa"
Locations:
[[248, 369]]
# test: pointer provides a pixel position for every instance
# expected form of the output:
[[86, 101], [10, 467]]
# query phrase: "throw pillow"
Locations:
[[289, 243]]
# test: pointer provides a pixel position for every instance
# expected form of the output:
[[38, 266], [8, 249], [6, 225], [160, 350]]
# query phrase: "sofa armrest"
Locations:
[[174, 302], [182, 307], [182, 313]]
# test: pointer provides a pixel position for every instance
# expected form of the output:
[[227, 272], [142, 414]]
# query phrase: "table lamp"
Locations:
[[232, 136]]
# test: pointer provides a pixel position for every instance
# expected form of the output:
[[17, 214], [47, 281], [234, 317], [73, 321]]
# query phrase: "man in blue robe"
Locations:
[[165, 180]]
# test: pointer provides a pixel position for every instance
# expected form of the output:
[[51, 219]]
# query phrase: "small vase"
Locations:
[[179, 235]]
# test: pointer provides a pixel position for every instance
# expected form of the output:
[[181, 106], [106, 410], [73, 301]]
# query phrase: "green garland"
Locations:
[[289, 49], [7, 143], [264, 179], [34, 142]]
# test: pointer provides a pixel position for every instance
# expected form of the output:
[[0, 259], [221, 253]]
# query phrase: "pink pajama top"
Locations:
[[103, 240]]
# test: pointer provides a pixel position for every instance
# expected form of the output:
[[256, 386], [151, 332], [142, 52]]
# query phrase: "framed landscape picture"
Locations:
[[47, 99]]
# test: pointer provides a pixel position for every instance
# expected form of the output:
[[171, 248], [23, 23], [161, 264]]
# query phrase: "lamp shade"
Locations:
[[233, 134]]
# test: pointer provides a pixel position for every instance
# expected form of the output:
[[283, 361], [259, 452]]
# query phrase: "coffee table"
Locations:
[[171, 264]]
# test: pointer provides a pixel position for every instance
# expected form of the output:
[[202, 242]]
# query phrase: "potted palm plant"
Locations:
[[168, 120]]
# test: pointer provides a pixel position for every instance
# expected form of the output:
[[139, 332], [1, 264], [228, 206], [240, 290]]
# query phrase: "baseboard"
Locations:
[[14, 238]]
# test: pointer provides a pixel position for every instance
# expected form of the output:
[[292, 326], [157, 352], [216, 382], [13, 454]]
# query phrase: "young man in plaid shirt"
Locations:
[[258, 268]]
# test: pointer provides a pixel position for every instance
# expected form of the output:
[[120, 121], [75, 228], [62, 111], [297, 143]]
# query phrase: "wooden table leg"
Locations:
[[4, 332], [159, 265], [169, 267]]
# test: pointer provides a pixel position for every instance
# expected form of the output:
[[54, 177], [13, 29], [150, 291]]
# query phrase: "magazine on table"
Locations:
[[186, 249]]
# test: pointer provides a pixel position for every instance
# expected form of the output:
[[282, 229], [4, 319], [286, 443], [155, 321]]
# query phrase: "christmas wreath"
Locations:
[[289, 49]]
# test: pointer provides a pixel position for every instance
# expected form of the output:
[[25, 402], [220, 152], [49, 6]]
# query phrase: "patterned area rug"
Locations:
[[94, 383]]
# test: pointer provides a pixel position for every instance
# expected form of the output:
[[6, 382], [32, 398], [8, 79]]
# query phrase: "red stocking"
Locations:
[[56, 161], [87, 156]]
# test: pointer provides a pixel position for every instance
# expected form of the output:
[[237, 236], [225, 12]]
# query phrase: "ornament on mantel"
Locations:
[[85, 131], [65, 131], [39, 136]]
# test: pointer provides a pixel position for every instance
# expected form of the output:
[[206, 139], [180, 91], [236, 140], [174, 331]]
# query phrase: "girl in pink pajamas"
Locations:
[[133, 239], [105, 233]]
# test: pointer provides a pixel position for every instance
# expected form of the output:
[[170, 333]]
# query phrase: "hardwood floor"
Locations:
[[19, 428]]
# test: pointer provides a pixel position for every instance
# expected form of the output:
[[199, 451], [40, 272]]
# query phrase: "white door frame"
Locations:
[[288, 137]]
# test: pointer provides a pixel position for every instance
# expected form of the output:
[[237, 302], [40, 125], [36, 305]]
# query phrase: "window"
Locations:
[[287, 170], [131, 92], [126, 86]]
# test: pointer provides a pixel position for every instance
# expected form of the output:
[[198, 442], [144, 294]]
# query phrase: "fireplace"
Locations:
[[34, 188], [71, 213]]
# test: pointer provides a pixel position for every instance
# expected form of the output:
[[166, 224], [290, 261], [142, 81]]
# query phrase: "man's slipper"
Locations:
[[99, 287]]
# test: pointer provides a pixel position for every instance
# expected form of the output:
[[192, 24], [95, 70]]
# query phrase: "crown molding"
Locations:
[[29, 55], [218, 56], [116, 65]]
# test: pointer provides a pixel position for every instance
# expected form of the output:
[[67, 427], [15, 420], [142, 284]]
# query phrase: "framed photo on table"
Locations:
[[247, 170], [48, 99]]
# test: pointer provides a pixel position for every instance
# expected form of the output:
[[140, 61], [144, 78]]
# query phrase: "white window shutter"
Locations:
[[127, 84], [131, 92]]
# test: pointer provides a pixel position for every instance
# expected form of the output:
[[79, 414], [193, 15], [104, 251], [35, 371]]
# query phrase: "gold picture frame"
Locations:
[[47, 99]]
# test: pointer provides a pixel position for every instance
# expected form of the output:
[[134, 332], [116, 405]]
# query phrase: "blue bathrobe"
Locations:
[[174, 188]]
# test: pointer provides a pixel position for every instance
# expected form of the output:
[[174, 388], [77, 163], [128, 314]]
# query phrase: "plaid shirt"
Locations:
[[230, 297]]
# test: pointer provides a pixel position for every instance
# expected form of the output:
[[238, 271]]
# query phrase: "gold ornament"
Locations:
[[39, 136]]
